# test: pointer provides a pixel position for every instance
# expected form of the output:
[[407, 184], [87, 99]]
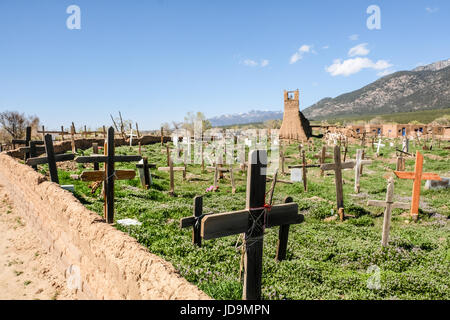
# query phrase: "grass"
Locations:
[[325, 260]]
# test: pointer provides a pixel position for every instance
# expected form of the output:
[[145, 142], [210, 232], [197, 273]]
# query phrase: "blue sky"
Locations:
[[156, 60]]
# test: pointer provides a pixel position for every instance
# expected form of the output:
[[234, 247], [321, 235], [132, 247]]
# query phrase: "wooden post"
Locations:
[[304, 170], [233, 186], [137, 131], [362, 158], [322, 159], [95, 151], [283, 235], [162, 136], [172, 183], [168, 154], [216, 176], [109, 181], [43, 133], [282, 161], [256, 182], [62, 133], [198, 211], [389, 204]]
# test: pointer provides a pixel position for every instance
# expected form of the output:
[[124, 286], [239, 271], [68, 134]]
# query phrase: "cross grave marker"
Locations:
[[252, 221]]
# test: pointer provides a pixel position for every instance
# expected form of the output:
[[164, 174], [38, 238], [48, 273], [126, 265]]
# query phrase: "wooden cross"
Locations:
[[322, 157], [171, 170], [359, 163], [144, 172], [417, 176], [338, 166], [51, 159], [252, 221], [131, 135], [109, 175], [218, 172], [389, 204], [379, 144], [21, 141]]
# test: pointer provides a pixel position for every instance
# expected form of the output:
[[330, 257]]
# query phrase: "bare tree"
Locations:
[[15, 123]]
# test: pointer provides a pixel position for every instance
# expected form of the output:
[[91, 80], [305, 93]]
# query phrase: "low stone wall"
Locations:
[[112, 264]]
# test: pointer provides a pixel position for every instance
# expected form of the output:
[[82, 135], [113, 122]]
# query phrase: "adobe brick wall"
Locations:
[[86, 143], [113, 265]]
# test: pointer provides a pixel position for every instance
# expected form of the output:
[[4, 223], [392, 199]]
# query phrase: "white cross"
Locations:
[[379, 144], [131, 135]]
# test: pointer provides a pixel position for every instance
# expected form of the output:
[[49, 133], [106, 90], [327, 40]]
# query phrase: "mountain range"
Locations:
[[423, 88]]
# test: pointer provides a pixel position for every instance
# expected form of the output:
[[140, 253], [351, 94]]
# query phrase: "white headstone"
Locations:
[[129, 222], [296, 175]]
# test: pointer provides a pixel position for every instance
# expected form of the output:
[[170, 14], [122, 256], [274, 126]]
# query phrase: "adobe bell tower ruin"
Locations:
[[295, 126]]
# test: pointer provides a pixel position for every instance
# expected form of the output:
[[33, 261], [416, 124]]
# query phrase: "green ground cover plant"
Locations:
[[325, 260]]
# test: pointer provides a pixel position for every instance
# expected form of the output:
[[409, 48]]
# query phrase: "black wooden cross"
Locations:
[[145, 177], [252, 221], [24, 142], [110, 173], [51, 158]]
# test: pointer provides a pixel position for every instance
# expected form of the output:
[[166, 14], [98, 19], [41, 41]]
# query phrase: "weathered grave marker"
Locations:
[[338, 166], [51, 159], [400, 163], [145, 175], [389, 204], [417, 176], [379, 145], [23, 141], [252, 221], [109, 175], [322, 157]]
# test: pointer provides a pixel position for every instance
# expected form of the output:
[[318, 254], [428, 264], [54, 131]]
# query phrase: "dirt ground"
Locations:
[[26, 267]]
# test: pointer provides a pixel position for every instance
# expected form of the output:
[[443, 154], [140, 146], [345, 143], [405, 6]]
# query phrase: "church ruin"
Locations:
[[295, 126]]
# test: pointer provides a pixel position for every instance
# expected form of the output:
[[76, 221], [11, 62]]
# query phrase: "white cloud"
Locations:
[[385, 72], [325, 47], [431, 10], [359, 50], [253, 63], [355, 65], [354, 37], [300, 52], [305, 48], [250, 63]]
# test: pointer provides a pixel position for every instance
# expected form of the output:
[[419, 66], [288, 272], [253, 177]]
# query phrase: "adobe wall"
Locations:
[[113, 265], [86, 143]]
